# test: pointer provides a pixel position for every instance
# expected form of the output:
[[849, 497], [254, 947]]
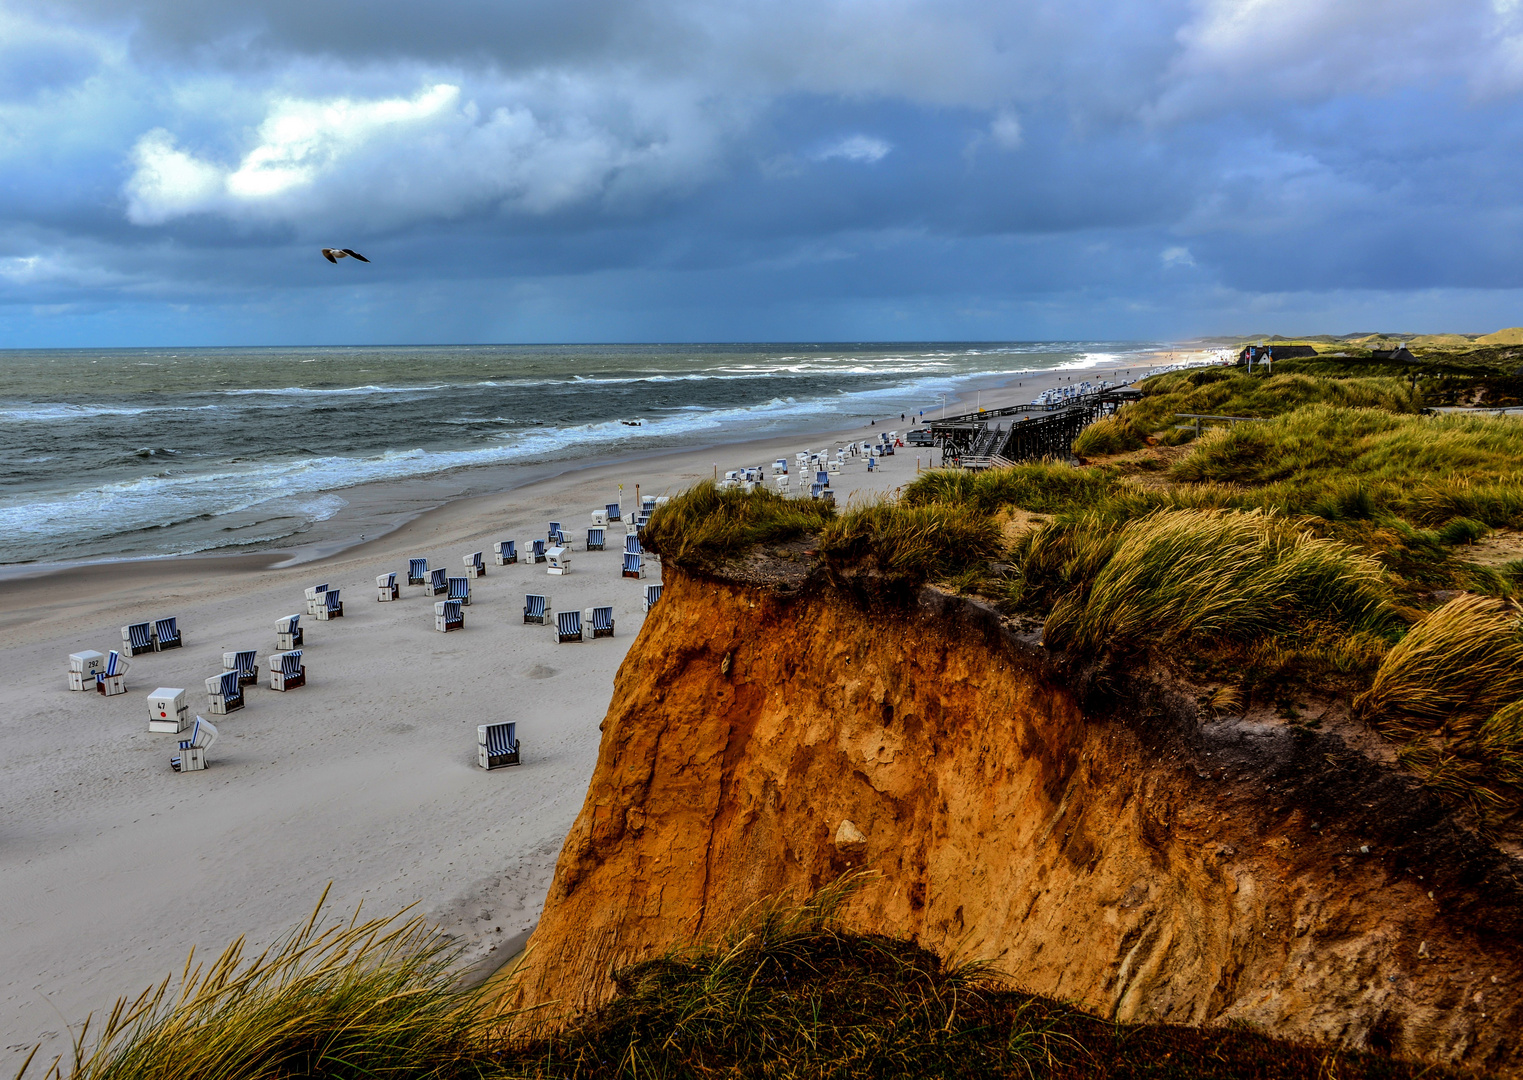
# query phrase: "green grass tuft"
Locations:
[[1198, 575], [705, 523], [908, 545]]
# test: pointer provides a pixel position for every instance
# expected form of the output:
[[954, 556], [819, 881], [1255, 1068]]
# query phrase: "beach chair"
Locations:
[[506, 552], [167, 710], [652, 594], [872, 464], [496, 745], [287, 672], [460, 589], [600, 517], [612, 510], [648, 503], [386, 587], [288, 632], [599, 621], [632, 546], [438, 581], [596, 538], [448, 615], [835, 466], [552, 535], [111, 679], [537, 553], [417, 571], [315, 599], [780, 466], [782, 485], [559, 558], [224, 692], [634, 566], [828, 496], [82, 669], [536, 608], [245, 663], [816, 490], [568, 626], [475, 565], [138, 638], [631, 528], [330, 607], [193, 750], [822, 477], [166, 635]]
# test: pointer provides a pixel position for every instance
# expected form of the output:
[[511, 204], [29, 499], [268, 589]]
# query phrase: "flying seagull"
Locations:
[[333, 255]]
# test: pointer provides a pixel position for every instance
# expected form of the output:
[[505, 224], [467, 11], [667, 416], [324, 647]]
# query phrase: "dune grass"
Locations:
[[378, 998], [910, 544], [1197, 575], [1452, 671], [706, 523]]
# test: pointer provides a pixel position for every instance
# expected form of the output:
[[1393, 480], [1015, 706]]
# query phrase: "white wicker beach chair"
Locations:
[[167, 710], [568, 626], [497, 745], [599, 621], [330, 607], [475, 565], [559, 558], [166, 635], [138, 638], [460, 589], [287, 672], [632, 546], [111, 679], [536, 608], [448, 615], [288, 632], [506, 552], [417, 571], [600, 517], [386, 587], [245, 663], [315, 599], [596, 538], [652, 594], [193, 750], [83, 667], [537, 552], [438, 582], [612, 509], [634, 566], [224, 693]]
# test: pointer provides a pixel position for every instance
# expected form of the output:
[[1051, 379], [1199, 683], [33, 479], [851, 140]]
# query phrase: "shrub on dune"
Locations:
[[911, 544], [706, 522]]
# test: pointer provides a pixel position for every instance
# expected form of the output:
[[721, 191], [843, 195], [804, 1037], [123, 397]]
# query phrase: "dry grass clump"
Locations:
[[911, 544], [707, 523], [1452, 671], [1109, 435], [1180, 575], [1039, 486], [366, 999], [1484, 768]]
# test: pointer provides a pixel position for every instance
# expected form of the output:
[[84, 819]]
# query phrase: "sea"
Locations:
[[149, 452]]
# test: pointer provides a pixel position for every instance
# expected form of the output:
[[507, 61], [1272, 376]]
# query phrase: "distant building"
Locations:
[[1274, 352], [1401, 355]]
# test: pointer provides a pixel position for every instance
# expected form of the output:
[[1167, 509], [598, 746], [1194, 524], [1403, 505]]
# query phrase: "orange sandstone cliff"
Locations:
[[1098, 840]]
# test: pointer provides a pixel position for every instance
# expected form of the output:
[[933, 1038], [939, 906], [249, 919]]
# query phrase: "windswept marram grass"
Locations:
[[1454, 669], [1196, 575], [910, 544], [378, 999], [705, 522]]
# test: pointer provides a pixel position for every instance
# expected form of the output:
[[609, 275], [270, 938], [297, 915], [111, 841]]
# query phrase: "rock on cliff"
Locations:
[[1114, 848]]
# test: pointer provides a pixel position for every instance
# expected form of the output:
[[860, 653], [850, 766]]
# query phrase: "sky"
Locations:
[[756, 170]]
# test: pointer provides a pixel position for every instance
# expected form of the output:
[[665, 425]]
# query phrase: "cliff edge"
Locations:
[[1105, 843]]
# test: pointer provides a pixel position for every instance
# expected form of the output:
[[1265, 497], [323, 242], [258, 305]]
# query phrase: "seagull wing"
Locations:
[[355, 255], [327, 254]]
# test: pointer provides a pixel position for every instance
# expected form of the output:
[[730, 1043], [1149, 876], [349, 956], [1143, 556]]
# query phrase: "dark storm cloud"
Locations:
[[599, 169]]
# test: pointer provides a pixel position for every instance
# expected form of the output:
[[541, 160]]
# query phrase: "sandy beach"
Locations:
[[115, 866]]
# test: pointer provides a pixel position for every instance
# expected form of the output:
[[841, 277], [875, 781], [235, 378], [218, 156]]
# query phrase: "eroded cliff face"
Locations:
[[1115, 851]]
